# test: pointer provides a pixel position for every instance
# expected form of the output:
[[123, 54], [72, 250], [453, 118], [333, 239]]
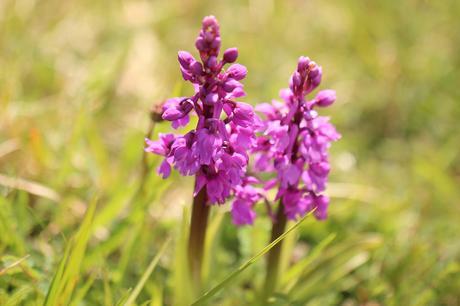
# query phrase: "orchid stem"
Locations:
[[198, 225], [273, 260]]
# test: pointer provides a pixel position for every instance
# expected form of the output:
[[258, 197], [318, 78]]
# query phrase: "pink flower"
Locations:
[[296, 141], [216, 150], [246, 196]]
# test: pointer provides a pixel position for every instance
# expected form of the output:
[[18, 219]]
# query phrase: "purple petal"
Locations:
[[242, 213], [164, 169]]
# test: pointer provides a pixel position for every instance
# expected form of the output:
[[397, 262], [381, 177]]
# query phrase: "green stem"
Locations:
[[145, 167], [273, 260], [198, 225]]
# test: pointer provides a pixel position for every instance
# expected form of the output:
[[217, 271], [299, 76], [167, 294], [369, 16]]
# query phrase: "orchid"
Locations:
[[295, 142], [216, 150]]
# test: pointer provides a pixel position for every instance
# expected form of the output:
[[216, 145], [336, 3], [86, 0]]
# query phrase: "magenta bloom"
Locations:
[[216, 150], [246, 196], [295, 143]]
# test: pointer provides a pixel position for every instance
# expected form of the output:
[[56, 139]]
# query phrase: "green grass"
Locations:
[[77, 80]]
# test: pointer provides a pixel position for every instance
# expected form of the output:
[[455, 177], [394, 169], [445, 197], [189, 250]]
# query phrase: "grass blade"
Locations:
[[209, 294], [14, 264], [81, 292], [297, 269], [182, 290], [210, 244], [67, 274], [19, 296], [132, 297], [30, 187]]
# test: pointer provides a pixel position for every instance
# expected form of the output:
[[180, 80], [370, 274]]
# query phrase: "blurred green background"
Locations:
[[77, 81]]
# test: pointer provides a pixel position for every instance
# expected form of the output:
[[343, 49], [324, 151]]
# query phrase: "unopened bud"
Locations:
[[237, 71], [325, 98], [230, 55]]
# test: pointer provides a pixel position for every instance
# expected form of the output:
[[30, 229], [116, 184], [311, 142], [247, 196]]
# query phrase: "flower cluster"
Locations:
[[295, 143], [216, 150], [294, 139]]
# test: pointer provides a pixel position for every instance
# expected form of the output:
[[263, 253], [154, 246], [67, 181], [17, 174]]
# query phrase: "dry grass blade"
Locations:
[[14, 264], [357, 192], [8, 147], [30, 187]]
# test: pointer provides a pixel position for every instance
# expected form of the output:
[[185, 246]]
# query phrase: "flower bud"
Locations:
[[303, 64], [215, 44], [325, 98], [296, 79], [200, 44], [208, 37], [230, 85], [210, 21], [230, 55], [196, 68], [185, 59], [212, 62], [237, 71], [315, 76]]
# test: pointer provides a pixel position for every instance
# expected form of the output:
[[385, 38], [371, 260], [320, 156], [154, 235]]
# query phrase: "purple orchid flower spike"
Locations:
[[208, 150], [216, 150], [296, 141], [294, 144]]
